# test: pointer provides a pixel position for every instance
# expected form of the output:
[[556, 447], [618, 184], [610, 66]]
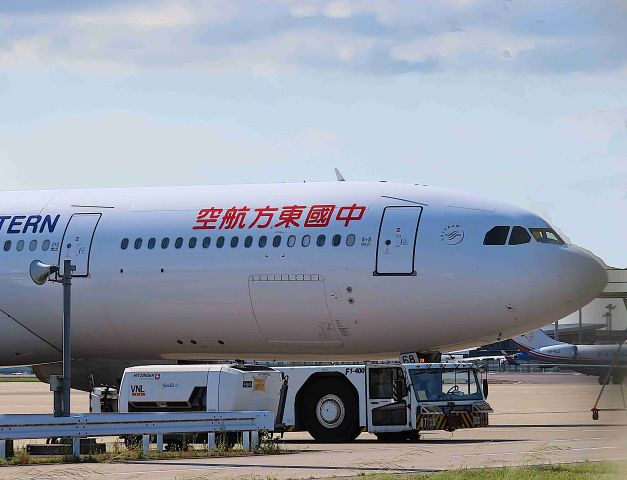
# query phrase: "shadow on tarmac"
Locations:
[[562, 425], [407, 442]]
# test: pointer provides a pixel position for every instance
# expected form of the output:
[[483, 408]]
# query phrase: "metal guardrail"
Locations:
[[77, 426]]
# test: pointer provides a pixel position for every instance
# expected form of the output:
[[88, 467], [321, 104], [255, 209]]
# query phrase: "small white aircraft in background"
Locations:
[[538, 348], [461, 356], [307, 271]]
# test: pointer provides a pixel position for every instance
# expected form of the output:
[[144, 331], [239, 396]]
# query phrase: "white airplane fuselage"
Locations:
[[410, 272]]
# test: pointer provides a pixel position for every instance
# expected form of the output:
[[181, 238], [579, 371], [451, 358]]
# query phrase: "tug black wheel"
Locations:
[[331, 412]]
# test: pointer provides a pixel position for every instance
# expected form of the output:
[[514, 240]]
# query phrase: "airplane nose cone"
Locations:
[[582, 275]]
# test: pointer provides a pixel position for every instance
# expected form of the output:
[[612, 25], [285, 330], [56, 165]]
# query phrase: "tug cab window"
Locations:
[[496, 236], [443, 385], [519, 236], [546, 235]]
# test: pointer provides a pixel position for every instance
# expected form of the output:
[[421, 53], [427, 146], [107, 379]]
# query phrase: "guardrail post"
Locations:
[[246, 440], [146, 444], [160, 442], [3, 449], [254, 440], [211, 441], [76, 447]]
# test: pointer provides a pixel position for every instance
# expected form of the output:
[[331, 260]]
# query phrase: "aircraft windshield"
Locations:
[[546, 235], [437, 384]]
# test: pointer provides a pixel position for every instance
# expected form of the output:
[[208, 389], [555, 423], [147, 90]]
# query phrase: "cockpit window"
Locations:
[[496, 236], [546, 235], [519, 236]]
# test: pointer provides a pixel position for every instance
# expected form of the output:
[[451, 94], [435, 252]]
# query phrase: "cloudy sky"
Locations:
[[524, 101]]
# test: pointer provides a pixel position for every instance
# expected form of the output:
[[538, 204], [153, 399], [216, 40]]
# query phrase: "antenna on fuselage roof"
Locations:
[[339, 176]]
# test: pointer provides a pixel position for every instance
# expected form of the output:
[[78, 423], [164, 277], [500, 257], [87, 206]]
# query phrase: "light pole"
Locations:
[[608, 316], [40, 274]]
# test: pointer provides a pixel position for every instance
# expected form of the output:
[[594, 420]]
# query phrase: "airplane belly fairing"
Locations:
[[26, 346]]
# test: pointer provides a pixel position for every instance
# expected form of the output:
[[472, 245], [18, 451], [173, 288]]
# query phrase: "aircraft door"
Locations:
[[77, 240], [397, 240]]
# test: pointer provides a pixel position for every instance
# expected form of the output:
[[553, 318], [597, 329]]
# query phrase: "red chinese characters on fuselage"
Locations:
[[289, 216]]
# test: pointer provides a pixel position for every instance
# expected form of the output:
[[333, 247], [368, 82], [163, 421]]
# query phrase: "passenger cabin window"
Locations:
[[519, 236], [178, 243], [138, 243], [350, 240], [291, 240], [7, 245], [248, 241], [234, 242], [165, 242], [32, 246], [20, 245], [220, 242], [124, 244], [337, 239], [206, 242], [45, 245], [276, 241], [496, 236], [546, 235], [306, 241], [262, 241], [192, 242], [320, 240], [152, 241]]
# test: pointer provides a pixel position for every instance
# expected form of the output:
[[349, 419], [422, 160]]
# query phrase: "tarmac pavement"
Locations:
[[538, 419]]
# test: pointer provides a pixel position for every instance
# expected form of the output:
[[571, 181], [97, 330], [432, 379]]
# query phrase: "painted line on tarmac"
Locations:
[[535, 451], [577, 439]]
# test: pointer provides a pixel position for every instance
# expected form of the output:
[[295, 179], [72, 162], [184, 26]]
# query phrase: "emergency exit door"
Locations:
[[397, 240], [77, 240]]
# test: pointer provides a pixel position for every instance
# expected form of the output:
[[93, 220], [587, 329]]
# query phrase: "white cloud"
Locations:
[[464, 48], [338, 9], [394, 36], [161, 16], [305, 9]]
